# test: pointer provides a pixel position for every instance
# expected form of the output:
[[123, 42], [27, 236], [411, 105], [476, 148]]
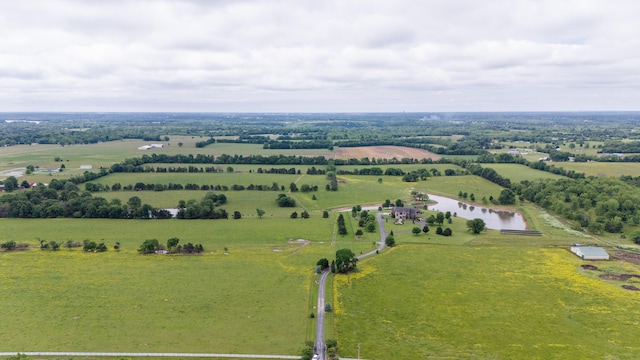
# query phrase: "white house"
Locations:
[[152, 146], [590, 252]]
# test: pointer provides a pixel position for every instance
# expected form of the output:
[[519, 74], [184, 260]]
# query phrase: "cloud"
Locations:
[[287, 55]]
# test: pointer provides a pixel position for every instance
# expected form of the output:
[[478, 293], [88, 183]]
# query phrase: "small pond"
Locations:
[[494, 219]]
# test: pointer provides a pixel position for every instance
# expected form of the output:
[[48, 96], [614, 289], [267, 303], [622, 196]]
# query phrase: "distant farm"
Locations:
[[212, 242]]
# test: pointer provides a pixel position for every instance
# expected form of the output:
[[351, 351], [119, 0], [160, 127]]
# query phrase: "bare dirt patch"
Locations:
[[627, 256], [630, 287], [384, 152], [589, 267], [619, 277]]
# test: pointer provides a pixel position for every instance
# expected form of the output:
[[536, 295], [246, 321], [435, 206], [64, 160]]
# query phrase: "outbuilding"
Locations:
[[590, 252]]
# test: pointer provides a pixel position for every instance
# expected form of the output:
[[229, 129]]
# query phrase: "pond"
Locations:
[[494, 219]]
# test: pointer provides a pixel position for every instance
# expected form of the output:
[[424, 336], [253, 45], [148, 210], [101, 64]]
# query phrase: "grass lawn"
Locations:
[[517, 172], [70, 300], [435, 301]]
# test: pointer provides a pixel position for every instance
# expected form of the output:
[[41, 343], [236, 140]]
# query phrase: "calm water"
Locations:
[[494, 219]]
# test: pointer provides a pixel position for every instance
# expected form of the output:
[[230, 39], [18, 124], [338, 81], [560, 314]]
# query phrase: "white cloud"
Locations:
[[288, 55]]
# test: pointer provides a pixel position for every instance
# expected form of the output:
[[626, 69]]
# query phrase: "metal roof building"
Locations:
[[590, 252]]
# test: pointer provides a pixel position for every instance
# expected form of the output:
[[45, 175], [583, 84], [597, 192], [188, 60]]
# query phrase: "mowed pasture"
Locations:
[[602, 169], [438, 301], [518, 172], [249, 301]]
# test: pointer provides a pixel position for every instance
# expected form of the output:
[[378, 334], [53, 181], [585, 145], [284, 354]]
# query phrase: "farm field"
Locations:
[[435, 301], [464, 296], [71, 300], [517, 172], [610, 169], [384, 152]]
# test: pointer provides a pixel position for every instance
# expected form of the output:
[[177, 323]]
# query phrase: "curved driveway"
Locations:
[[320, 347]]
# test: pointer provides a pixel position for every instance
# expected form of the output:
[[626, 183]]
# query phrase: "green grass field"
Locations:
[[517, 172], [434, 302], [464, 296], [602, 168], [71, 300]]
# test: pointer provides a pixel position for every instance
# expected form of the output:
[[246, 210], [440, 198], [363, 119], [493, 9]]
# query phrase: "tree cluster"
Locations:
[[206, 208], [342, 228], [152, 246], [285, 201], [345, 260]]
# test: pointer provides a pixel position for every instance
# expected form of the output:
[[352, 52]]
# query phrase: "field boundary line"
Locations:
[[133, 354]]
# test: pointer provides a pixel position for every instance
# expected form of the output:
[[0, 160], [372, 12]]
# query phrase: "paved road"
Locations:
[[320, 345]]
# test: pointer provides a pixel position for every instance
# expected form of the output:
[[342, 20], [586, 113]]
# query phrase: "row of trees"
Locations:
[[139, 186], [173, 246]]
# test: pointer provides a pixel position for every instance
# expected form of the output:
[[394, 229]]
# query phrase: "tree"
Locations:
[[260, 212], [285, 201], [134, 202], [294, 215], [304, 214], [370, 226], [440, 218], [9, 245], [180, 144], [447, 232], [416, 230], [323, 263], [325, 214], [293, 187], [359, 232], [439, 230], [237, 215], [476, 226], [172, 243], [636, 237], [327, 307], [507, 197], [149, 246], [89, 246], [390, 241], [229, 169], [345, 260], [425, 229], [399, 203]]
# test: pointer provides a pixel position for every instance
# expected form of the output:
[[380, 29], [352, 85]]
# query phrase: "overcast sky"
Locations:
[[319, 55]]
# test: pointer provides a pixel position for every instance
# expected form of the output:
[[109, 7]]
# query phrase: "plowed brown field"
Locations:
[[383, 152]]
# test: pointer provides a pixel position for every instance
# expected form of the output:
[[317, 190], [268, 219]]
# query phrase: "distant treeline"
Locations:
[[97, 187], [46, 202], [136, 164]]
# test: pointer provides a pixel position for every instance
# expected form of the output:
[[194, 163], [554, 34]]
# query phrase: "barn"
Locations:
[[590, 252]]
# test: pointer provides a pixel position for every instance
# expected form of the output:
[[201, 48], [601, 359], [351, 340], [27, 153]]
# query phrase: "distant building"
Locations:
[[405, 213], [590, 252], [86, 167], [513, 152], [152, 146]]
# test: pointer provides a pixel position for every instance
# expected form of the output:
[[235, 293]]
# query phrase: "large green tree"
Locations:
[[345, 260], [476, 225]]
